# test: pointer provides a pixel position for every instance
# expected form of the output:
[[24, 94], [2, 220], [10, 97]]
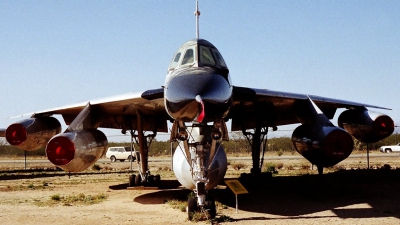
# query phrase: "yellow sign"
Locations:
[[236, 187]]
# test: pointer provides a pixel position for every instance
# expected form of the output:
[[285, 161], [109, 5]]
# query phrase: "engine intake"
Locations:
[[322, 145], [76, 151], [33, 133], [366, 126]]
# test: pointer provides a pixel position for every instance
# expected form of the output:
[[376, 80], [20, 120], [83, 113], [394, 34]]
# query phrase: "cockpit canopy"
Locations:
[[197, 53]]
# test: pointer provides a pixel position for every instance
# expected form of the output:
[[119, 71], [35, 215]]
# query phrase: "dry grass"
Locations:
[[70, 200], [177, 204], [201, 215]]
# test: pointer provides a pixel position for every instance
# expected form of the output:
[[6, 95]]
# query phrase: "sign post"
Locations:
[[237, 188]]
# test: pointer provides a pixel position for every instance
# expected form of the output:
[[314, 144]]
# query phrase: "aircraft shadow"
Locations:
[[296, 196], [42, 173], [164, 185], [169, 190], [30, 174]]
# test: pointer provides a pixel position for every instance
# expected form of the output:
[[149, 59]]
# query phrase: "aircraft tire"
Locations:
[[150, 180], [157, 180], [192, 207], [132, 180], [138, 180], [210, 206]]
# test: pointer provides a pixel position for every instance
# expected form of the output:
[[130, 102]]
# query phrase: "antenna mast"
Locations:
[[197, 14]]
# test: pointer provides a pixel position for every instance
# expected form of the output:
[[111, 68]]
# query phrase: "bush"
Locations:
[[238, 166], [55, 197], [305, 166], [96, 167]]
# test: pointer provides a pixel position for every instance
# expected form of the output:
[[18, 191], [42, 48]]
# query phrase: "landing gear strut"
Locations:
[[143, 141], [199, 144], [257, 140], [320, 170]]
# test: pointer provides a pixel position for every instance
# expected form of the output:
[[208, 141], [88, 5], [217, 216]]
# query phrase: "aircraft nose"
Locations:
[[183, 92]]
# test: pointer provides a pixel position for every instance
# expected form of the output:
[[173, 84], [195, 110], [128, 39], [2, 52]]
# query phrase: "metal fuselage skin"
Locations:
[[197, 83], [184, 85]]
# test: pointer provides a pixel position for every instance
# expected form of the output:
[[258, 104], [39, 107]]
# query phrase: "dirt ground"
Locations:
[[351, 196]]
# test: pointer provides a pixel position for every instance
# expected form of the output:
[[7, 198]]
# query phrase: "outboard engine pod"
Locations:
[[366, 126], [33, 133]]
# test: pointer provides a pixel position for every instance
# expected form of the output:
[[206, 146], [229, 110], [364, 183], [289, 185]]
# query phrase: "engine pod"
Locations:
[[322, 145], [366, 126], [33, 133], [76, 151]]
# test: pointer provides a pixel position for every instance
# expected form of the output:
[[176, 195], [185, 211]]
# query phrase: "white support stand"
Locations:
[[237, 203]]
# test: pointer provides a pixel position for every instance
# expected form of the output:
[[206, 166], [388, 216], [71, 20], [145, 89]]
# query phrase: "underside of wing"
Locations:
[[120, 112], [267, 108]]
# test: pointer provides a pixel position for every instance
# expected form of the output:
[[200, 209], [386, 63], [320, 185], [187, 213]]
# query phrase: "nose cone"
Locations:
[[183, 88]]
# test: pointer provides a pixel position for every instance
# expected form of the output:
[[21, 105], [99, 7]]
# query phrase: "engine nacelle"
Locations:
[[183, 172], [322, 145], [33, 133], [366, 126], [76, 151]]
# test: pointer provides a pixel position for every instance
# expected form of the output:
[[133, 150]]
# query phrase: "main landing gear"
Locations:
[[144, 177], [257, 139], [150, 180]]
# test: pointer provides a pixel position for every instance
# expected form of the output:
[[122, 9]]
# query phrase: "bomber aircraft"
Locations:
[[199, 98]]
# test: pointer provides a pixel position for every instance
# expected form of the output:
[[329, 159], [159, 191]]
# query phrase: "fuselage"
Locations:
[[198, 86]]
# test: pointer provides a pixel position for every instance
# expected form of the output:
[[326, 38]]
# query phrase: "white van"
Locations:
[[121, 154]]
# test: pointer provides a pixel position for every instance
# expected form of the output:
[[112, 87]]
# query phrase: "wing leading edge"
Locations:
[[119, 112], [251, 106]]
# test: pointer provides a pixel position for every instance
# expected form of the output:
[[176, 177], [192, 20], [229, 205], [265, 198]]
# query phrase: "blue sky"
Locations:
[[54, 53]]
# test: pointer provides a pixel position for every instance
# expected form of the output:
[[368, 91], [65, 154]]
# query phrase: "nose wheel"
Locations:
[[208, 210]]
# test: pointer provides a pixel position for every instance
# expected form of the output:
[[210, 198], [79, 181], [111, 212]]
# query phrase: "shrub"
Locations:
[[55, 197], [279, 166], [305, 166], [238, 166], [96, 167]]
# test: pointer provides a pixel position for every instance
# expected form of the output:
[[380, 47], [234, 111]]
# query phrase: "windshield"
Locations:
[[189, 57], [175, 61], [211, 56], [206, 56], [197, 53], [219, 58]]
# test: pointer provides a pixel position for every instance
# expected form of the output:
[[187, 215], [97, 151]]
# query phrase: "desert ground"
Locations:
[[347, 194]]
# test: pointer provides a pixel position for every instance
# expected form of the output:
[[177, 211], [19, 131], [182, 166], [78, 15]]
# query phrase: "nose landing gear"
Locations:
[[207, 162], [208, 210]]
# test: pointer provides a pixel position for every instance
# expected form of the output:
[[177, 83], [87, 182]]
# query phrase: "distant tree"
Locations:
[[2, 141], [237, 143], [280, 143]]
